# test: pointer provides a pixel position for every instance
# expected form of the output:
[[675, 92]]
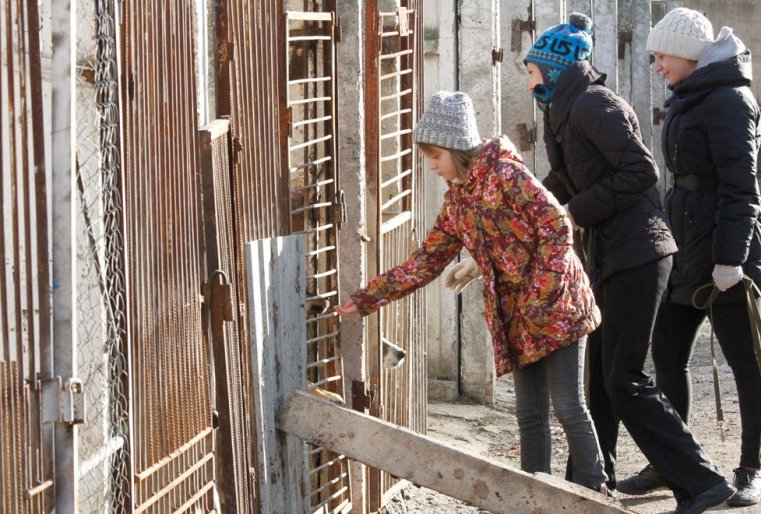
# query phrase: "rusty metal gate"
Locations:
[[26, 445], [172, 427], [277, 84], [393, 95], [316, 211]]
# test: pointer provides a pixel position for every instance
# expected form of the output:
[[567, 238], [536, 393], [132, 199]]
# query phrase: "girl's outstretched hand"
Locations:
[[348, 309]]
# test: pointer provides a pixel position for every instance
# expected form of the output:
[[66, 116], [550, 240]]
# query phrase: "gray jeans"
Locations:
[[558, 376]]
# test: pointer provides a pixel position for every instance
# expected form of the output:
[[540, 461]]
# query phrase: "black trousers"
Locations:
[[621, 391], [676, 329]]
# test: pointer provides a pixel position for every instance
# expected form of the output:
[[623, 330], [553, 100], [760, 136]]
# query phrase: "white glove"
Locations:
[[461, 275], [726, 276], [568, 213]]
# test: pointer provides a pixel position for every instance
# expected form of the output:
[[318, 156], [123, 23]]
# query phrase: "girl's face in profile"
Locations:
[[534, 76], [442, 164], [674, 69]]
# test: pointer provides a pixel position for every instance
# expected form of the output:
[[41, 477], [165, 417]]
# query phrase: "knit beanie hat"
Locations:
[[682, 33], [448, 122], [561, 46]]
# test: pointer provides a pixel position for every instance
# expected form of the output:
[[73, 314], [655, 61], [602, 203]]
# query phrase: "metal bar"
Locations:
[[311, 121], [313, 142], [396, 74], [64, 269], [396, 178], [396, 133], [322, 362], [394, 55], [309, 38], [397, 33], [310, 100], [316, 162], [309, 16], [396, 95], [395, 222], [174, 483], [310, 80], [311, 207], [397, 155], [313, 185], [396, 199], [395, 114], [322, 338], [195, 498]]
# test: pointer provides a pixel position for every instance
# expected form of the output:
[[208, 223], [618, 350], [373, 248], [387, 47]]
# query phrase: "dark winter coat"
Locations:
[[710, 143], [605, 173]]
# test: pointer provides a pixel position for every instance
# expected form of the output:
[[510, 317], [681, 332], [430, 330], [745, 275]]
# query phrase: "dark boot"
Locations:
[[644, 482], [748, 484], [707, 499]]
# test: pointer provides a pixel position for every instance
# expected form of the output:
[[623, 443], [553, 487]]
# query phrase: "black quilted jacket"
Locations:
[[710, 142], [605, 173]]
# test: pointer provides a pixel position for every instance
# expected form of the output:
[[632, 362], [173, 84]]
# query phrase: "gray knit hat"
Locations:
[[448, 122], [682, 33]]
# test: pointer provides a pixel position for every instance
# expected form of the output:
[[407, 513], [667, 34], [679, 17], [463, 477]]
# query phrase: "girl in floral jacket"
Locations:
[[538, 304]]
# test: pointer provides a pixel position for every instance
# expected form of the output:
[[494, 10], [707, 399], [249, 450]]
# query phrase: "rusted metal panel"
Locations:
[[25, 444], [173, 454]]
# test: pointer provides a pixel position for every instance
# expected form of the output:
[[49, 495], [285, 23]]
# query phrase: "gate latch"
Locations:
[[63, 401]]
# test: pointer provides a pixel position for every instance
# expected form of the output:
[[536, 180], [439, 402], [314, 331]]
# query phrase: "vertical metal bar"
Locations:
[[225, 463], [66, 436], [45, 442]]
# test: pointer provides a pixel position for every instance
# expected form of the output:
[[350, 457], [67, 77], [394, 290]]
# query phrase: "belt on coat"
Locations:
[[696, 182]]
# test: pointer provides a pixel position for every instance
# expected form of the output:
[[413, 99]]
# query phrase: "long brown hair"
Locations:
[[461, 158]]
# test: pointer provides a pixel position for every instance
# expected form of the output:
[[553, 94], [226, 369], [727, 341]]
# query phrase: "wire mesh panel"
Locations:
[[26, 451], [172, 452], [101, 323], [393, 93], [315, 206]]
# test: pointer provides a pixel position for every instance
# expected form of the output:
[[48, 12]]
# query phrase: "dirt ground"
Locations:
[[493, 433]]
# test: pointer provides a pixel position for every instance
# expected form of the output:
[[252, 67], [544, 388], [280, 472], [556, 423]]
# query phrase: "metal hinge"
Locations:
[[624, 37], [516, 34], [362, 397], [527, 137], [337, 30], [289, 120], [497, 54], [341, 208], [63, 401], [658, 115]]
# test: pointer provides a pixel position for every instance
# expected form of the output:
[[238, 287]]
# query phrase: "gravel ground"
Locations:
[[493, 433]]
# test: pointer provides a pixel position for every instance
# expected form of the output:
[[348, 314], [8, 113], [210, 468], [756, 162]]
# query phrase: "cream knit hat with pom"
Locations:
[[682, 32]]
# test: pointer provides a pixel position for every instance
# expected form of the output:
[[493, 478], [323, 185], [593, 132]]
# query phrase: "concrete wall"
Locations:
[[441, 322]]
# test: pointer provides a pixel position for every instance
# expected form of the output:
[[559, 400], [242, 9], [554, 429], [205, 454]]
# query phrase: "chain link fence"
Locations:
[[101, 308]]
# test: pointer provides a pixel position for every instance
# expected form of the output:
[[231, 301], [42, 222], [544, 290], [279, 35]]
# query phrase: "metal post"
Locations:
[[64, 356]]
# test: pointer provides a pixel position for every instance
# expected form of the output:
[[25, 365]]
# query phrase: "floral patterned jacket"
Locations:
[[537, 297]]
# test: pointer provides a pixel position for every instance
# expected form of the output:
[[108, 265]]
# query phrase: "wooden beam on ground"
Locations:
[[430, 463], [277, 355]]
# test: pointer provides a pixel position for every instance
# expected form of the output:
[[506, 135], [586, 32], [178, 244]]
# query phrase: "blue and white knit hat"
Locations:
[[448, 122], [561, 46]]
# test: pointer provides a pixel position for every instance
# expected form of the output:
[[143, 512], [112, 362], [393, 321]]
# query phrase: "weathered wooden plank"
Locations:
[[276, 293], [434, 464]]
